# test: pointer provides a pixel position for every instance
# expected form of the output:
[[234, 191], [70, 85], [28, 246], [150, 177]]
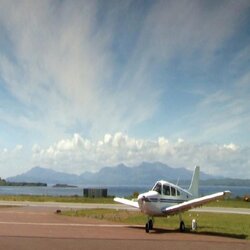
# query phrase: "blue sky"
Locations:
[[85, 84]]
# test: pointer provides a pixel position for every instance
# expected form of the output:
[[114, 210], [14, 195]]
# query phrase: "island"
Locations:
[[64, 186], [22, 184]]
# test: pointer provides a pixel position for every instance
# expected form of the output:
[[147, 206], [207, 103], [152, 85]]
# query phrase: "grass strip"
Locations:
[[45, 198], [225, 225], [233, 203]]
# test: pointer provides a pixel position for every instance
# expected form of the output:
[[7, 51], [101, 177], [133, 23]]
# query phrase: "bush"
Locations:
[[247, 198]]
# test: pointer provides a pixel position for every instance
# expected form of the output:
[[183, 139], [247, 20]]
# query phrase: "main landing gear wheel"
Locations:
[[149, 225], [182, 226]]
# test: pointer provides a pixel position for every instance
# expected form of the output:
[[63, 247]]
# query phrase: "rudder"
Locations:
[[194, 186]]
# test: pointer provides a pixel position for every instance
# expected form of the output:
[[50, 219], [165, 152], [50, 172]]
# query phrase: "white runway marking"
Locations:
[[26, 212]]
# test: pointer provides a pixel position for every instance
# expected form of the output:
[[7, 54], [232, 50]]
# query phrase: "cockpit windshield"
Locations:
[[157, 187], [166, 189]]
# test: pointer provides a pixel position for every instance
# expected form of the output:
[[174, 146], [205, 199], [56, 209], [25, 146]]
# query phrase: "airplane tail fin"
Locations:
[[194, 186]]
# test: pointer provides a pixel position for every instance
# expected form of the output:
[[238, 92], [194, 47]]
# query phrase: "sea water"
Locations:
[[121, 191]]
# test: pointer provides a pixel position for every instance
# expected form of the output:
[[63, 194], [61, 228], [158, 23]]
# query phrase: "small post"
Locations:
[[194, 225]]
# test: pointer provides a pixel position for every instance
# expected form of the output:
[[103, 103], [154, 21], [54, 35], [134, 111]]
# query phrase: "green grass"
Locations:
[[234, 203], [232, 225], [235, 226], [44, 198]]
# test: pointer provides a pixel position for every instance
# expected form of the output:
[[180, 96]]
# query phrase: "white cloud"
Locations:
[[11, 160], [219, 116], [18, 148], [77, 154], [231, 146], [5, 152], [61, 65], [62, 69], [76, 66], [201, 29]]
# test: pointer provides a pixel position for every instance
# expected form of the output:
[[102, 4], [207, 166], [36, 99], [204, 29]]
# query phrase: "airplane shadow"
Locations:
[[219, 234], [189, 231], [156, 230]]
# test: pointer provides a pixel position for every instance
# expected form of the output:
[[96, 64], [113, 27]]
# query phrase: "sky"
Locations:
[[87, 84]]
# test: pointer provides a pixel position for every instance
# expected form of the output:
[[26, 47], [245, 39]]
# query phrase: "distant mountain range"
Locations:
[[144, 174]]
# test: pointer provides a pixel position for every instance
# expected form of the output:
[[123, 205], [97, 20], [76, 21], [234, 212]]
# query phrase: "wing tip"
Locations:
[[227, 193], [117, 199], [127, 202]]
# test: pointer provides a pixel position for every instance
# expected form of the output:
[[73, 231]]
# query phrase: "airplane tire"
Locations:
[[182, 226], [150, 224], [147, 227]]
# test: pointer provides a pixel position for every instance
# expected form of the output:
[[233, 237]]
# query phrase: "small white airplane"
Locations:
[[167, 199]]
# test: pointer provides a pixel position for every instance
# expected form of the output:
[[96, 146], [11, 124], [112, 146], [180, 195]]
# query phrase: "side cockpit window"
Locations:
[[173, 191], [178, 192], [157, 188], [166, 190]]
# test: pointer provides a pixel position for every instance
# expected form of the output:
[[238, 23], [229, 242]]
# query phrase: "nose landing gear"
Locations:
[[150, 224]]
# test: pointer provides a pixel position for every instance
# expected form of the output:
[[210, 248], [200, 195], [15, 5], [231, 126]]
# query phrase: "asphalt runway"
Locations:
[[39, 227]]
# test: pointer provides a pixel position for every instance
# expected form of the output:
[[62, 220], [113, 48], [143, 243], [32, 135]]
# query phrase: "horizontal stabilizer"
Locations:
[[184, 206], [127, 202]]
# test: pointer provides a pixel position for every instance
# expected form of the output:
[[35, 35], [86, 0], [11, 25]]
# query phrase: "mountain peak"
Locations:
[[46, 175], [144, 174], [39, 169]]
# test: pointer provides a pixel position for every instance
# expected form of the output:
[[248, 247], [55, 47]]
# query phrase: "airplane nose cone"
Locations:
[[144, 202], [142, 198], [141, 201]]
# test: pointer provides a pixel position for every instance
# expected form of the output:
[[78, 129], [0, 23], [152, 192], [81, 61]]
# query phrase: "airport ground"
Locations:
[[34, 226]]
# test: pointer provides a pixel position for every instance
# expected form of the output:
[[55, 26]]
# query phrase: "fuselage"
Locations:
[[163, 194]]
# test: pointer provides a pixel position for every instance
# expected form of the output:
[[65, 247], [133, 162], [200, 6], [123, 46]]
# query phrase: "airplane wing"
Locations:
[[184, 206], [127, 202]]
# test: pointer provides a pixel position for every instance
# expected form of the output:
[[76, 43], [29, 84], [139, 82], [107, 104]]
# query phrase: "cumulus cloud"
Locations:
[[5, 152], [78, 154], [9, 157], [231, 146]]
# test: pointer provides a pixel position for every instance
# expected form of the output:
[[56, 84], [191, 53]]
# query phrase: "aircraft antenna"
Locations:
[[177, 183]]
